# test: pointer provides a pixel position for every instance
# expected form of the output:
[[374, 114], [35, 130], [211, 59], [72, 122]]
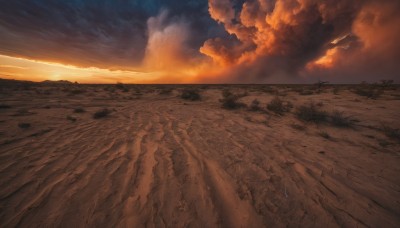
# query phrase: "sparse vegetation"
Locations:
[[166, 91], [24, 125], [71, 118], [336, 90], [230, 100], [279, 106], [101, 113], [338, 119], [76, 91], [122, 87], [255, 106], [393, 133], [4, 106], [190, 94], [372, 91], [298, 127], [79, 110], [325, 135], [311, 113]]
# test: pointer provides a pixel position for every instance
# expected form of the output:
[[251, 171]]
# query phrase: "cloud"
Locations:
[[305, 38], [166, 45], [101, 33]]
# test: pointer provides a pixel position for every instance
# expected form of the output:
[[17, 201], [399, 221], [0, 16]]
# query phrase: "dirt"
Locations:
[[159, 161]]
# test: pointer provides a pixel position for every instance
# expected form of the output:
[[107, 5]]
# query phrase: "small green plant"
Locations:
[[101, 113], [279, 106]]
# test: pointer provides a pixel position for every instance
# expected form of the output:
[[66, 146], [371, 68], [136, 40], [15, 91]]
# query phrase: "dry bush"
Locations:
[[79, 110], [298, 127], [268, 89], [76, 91], [4, 106], [255, 106], [190, 94], [279, 106], [311, 113], [101, 113], [306, 92], [338, 119], [24, 125], [71, 118], [372, 91], [325, 135], [122, 87], [166, 91], [336, 90], [393, 133], [230, 100]]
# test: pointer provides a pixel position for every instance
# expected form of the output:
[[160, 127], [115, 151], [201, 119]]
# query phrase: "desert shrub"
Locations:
[[79, 110], [76, 91], [71, 118], [306, 92], [325, 135], [372, 91], [4, 106], [338, 119], [336, 90], [393, 133], [101, 113], [311, 113], [166, 91], [255, 105], [298, 127], [190, 94], [279, 106], [268, 89], [230, 100], [120, 86], [24, 125]]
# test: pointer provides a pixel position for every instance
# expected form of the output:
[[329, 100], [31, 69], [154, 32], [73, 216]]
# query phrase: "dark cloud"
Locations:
[[101, 33], [292, 38]]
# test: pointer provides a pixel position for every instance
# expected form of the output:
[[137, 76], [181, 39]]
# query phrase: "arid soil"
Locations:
[[160, 161]]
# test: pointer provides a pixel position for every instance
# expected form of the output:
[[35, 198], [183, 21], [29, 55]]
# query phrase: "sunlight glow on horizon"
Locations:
[[37, 70]]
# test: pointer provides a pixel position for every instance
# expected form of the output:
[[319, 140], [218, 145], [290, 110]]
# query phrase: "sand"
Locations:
[[160, 161]]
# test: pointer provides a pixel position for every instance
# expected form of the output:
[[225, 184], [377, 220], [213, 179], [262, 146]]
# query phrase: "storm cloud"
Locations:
[[289, 38], [212, 41], [99, 33]]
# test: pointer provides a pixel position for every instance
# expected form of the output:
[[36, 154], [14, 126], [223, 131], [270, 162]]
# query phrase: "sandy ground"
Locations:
[[160, 161]]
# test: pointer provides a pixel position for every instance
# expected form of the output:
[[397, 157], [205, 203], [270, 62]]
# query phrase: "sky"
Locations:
[[200, 41]]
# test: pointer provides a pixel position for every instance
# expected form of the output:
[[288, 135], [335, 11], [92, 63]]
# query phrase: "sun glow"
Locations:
[[34, 70]]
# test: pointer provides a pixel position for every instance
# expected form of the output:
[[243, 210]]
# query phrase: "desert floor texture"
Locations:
[[157, 160]]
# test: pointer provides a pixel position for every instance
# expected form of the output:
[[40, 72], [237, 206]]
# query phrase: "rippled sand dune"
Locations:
[[161, 161]]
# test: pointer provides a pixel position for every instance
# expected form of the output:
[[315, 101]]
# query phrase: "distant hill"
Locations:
[[57, 82], [7, 82]]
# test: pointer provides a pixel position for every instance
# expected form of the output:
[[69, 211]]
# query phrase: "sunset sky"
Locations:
[[200, 41]]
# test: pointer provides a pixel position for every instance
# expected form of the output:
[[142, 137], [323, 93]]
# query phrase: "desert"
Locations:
[[130, 155]]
